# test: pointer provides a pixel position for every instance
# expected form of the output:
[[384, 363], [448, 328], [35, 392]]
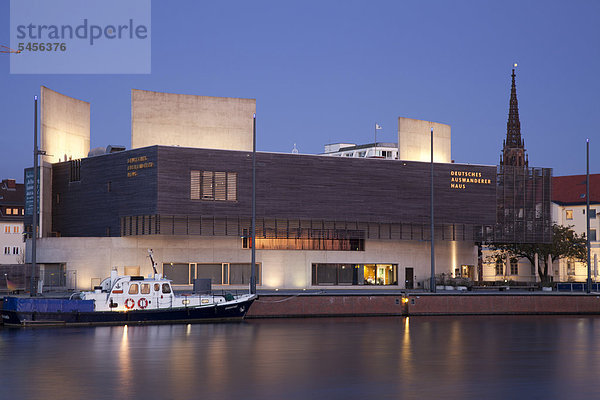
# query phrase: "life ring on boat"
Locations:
[[129, 303], [142, 303]]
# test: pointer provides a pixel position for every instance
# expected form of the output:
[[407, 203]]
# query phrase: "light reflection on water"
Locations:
[[425, 357]]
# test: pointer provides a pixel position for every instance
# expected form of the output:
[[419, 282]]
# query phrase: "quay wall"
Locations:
[[503, 304], [268, 306]]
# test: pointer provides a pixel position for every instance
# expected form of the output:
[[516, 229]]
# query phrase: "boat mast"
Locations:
[[152, 261]]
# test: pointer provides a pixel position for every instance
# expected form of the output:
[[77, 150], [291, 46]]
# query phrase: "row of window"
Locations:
[[15, 250], [218, 273], [514, 267], [569, 213], [354, 274], [144, 288], [305, 244], [15, 229], [14, 211], [322, 274]]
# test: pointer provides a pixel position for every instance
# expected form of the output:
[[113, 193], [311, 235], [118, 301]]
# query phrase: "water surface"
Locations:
[[334, 358]]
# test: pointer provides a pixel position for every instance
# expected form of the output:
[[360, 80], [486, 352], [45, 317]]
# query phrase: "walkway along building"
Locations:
[[321, 221]]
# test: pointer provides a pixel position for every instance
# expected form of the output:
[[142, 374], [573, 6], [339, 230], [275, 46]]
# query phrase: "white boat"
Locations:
[[122, 299]]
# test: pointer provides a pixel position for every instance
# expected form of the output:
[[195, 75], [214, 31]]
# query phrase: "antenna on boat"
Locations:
[[152, 261]]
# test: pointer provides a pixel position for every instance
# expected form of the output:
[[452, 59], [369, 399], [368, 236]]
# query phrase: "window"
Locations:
[[145, 288], [569, 214], [592, 235], [15, 211], [499, 267], [9, 211], [7, 250], [16, 229], [305, 244], [75, 170], [178, 273], [109, 186], [210, 185], [166, 288], [15, 250], [514, 266], [570, 267], [218, 273], [592, 213], [157, 287], [133, 289], [354, 274], [7, 229]]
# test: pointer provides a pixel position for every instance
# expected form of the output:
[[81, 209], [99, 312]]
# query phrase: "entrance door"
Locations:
[[409, 281]]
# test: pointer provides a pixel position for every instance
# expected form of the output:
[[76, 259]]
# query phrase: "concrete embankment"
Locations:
[[321, 305]]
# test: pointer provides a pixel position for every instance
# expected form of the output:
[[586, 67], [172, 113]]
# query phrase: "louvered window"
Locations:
[[220, 186], [195, 185], [207, 185], [211, 185], [232, 186]]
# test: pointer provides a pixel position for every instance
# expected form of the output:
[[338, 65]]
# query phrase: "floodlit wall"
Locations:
[[65, 124], [414, 140], [93, 258], [65, 135], [191, 121]]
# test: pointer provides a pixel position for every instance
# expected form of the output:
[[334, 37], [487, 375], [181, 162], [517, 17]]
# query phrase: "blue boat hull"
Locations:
[[225, 312]]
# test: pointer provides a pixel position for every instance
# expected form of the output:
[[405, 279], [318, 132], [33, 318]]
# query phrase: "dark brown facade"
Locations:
[[151, 191]]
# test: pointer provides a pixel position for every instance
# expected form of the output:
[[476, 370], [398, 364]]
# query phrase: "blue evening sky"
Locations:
[[327, 71]]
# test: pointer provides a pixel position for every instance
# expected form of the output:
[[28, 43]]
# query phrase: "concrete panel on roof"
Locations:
[[65, 124], [414, 140], [191, 121]]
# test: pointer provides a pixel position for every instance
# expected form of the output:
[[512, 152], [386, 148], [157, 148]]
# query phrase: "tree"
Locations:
[[565, 244]]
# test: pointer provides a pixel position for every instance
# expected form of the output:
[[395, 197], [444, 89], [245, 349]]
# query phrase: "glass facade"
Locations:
[[329, 274], [218, 273]]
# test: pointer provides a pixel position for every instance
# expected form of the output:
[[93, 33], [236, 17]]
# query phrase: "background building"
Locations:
[[568, 209], [12, 197]]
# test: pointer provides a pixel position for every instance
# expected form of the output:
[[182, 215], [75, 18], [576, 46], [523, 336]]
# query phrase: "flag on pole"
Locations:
[[377, 126]]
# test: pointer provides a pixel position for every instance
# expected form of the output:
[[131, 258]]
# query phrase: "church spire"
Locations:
[[513, 126], [514, 147]]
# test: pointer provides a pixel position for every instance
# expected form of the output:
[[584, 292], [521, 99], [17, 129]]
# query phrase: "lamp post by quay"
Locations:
[[587, 215], [432, 282], [34, 221], [253, 234]]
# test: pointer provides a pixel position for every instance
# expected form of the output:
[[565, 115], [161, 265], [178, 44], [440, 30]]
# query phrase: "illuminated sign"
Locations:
[[134, 164], [460, 179]]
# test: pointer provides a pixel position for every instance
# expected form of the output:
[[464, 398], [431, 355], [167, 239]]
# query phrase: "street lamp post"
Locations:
[[253, 234], [587, 214], [432, 282], [34, 220]]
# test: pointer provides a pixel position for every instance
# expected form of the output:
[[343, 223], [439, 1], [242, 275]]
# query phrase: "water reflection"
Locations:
[[469, 357]]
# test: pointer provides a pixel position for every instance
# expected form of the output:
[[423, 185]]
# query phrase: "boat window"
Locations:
[[166, 288], [145, 288], [157, 287], [133, 289]]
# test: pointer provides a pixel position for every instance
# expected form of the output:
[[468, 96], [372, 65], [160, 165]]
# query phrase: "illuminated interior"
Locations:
[[354, 274]]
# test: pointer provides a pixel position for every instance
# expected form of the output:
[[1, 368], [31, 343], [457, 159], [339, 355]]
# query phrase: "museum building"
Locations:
[[184, 191]]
